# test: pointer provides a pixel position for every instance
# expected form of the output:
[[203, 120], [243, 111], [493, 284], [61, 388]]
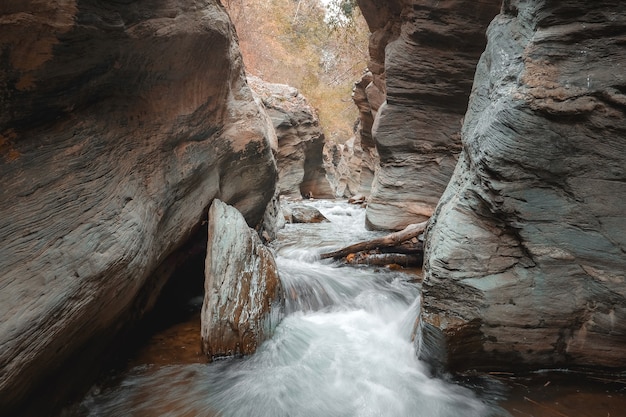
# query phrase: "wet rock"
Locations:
[[301, 213], [422, 57], [301, 171], [119, 123], [357, 199], [525, 257], [243, 299]]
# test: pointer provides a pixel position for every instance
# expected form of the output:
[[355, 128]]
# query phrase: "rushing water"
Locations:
[[344, 348]]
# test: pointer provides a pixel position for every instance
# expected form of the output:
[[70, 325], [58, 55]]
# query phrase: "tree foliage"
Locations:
[[320, 50]]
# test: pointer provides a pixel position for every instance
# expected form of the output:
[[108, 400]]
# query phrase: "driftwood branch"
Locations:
[[382, 259], [390, 240]]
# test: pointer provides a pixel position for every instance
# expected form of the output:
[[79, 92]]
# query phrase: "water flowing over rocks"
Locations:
[[119, 124], [301, 171], [525, 256], [422, 58], [243, 300]]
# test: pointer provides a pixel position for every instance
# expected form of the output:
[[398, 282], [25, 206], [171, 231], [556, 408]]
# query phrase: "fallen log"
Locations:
[[392, 239], [383, 259]]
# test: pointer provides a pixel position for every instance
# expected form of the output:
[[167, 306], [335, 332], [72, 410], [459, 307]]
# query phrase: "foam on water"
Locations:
[[343, 350]]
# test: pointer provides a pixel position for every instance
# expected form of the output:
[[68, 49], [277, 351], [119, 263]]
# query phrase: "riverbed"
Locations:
[[344, 348]]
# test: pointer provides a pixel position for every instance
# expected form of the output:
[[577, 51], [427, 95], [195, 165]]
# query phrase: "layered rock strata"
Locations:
[[243, 299], [301, 171], [525, 258], [119, 124], [423, 58]]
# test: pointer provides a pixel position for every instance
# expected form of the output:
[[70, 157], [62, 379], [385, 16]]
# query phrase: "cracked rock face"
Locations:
[[423, 56], [525, 259], [119, 123], [243, 300]]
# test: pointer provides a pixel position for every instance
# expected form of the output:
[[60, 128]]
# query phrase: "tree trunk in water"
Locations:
[[391, 241]]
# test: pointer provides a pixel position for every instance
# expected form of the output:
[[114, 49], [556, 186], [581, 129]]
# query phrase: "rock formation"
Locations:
[[351, 166], [423, 57], [301, 171], [243, 298], [302, 213], [525, 258], [119, 123]]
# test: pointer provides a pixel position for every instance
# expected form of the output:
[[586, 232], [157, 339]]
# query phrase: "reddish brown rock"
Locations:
[[119, 123]]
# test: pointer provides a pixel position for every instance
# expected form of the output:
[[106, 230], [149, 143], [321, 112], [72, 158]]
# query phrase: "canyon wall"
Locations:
[[119, 123], [300, 140], [423, 58], [525, 258]]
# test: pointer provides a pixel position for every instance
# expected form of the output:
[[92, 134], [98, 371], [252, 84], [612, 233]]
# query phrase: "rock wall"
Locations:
[[301, 171], [119, 123], [525, 258], [423, 58]]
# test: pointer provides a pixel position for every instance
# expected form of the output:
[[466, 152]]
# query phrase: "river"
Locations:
[[344, 349]]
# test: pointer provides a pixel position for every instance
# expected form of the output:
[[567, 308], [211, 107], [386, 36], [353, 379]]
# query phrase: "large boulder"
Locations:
[[119, 123], [301, 171], [423, 57], [243, 296], [302, 213], [525, 264]]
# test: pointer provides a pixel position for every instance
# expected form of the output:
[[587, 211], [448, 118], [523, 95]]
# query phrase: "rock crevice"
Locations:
[[423, 58]]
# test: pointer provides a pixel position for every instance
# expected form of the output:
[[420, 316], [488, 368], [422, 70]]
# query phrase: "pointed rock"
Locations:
[[243, 299]]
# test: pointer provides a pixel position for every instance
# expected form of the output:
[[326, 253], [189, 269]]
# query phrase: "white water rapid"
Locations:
[[343, 350]]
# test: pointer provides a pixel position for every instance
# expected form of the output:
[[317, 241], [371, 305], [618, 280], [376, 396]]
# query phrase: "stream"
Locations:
[[344, 348]]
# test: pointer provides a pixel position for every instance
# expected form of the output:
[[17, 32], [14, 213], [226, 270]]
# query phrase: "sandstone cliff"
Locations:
[[423, 57], [119, 123], [525, 258], [301, 171]]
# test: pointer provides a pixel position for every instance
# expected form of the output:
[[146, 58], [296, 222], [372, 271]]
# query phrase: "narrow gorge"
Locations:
[[124, 124]]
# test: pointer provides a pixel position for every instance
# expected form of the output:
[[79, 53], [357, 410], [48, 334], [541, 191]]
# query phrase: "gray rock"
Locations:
[[119, 124], [243, 299], [525, 264], [423, 57], [301, 213]]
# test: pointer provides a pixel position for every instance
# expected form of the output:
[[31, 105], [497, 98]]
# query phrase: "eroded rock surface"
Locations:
[[350, 166], [423, 57], [301, 171], [119, 123], [243, 299], [525, 259]]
